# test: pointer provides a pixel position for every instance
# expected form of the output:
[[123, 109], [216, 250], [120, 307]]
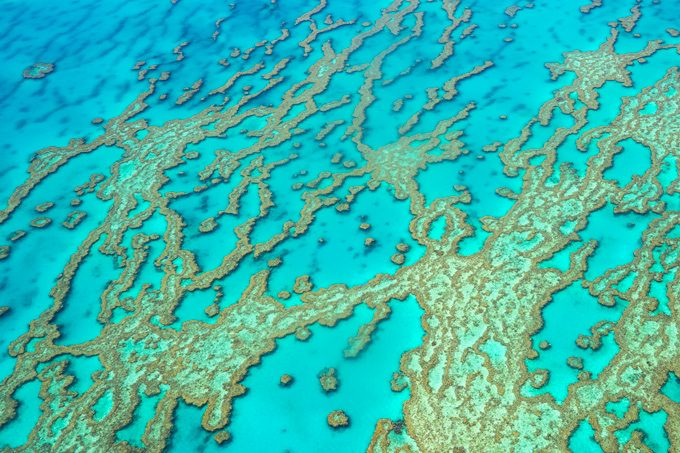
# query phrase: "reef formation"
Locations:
[[38, 70], [225, 205]]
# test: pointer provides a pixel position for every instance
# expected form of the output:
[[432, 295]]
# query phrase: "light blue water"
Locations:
[[572, 312], [618, 408], [16, 433], [262, 418], [605, 226], [672, 387], [633, 160], [133, 432], [583, 439], [652, 427]]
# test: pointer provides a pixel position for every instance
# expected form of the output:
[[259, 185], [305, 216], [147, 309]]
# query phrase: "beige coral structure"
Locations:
[[586, 9], [398, 382], [44, 207], [19, 234], [286, 380], [338, 419], [398, 259], [467, 378], [303, 333], [403, 247], [40, 222], [329, 380], [73, 219], [208, 225], [303, 284], [38, 70], [504, 417]]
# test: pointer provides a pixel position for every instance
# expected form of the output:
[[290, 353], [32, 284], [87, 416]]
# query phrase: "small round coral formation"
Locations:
[[575, 362], [398, 259], [40, 222], [38, 70], [328, 380], [398, 382], [403, 247], [303, 333], [338, 419]]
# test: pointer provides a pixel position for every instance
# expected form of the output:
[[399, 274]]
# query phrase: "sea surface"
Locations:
[[340, 225]]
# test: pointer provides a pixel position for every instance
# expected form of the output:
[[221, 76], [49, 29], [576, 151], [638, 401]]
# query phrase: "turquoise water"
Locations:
[[651, 425], [363, 392], [211, 182], [672, 387], [583, 439], [17, 431], [571, 313]]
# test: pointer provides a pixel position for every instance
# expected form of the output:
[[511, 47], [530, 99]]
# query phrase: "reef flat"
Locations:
[[286, 225]]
